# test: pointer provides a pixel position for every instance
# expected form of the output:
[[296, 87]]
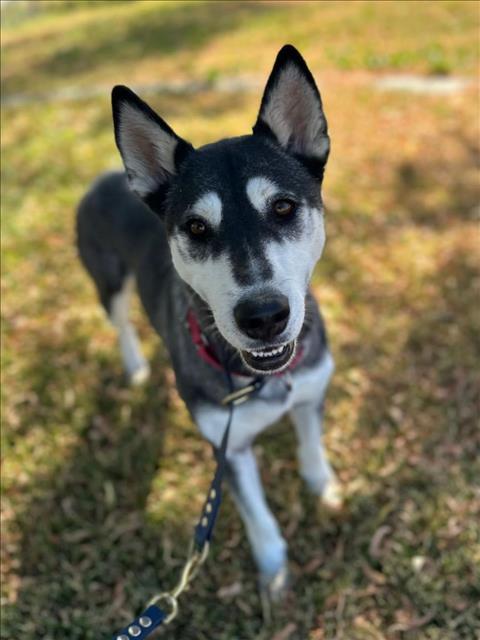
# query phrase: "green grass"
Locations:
[[102, 483], [151, 41]]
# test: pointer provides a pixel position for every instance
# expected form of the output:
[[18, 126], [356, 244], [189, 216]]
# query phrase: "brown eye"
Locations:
[[197, 227], [284, 208]]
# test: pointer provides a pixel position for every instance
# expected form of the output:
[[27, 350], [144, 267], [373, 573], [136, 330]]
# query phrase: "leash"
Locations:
[[163, 607]]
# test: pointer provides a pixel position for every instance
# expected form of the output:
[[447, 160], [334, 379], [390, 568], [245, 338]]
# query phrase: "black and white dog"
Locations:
[[222, 241]]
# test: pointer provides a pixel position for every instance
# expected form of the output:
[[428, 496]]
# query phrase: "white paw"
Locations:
[[332, 495], [139, 375], [276, 585], [273, 591]]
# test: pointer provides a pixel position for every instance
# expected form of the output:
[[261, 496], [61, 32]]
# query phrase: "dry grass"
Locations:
[[102, 483]]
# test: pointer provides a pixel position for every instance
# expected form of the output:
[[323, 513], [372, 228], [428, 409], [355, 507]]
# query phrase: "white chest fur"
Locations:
[[268, 406]]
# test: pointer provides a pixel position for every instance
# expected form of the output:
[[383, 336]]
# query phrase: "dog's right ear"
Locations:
[[151, 151]]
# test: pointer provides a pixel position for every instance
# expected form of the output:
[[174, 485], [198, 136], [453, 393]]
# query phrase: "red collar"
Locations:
[[208, 355]]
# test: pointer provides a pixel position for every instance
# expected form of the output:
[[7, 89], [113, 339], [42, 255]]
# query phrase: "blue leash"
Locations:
[[154, 615]]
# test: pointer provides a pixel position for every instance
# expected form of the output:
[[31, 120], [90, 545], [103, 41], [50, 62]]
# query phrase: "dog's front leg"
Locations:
[[314, 465], [269, 548]]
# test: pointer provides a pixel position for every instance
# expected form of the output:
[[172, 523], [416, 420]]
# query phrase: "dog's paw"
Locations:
[[273, 591], [139, 375], [332, 495]]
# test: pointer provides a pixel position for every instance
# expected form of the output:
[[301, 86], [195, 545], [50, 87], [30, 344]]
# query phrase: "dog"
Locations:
[[222, 242]]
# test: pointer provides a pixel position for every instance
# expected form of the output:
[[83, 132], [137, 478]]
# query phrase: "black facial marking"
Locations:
[[225, 168]]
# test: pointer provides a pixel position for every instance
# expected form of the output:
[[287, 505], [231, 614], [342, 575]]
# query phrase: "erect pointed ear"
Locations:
[[151, 151], [291, 111]]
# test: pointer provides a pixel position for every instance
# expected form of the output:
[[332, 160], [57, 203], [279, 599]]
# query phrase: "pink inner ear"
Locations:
[[145, 147], [148, 151], [294, 114]]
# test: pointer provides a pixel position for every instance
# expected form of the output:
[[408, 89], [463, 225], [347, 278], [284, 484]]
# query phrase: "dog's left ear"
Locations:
[[291, 112]]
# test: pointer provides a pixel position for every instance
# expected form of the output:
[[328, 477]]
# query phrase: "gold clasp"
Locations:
[[239, 396], [172, 602], [190, 569]]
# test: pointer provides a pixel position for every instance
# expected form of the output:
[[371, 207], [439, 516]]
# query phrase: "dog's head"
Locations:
[[243, 215]]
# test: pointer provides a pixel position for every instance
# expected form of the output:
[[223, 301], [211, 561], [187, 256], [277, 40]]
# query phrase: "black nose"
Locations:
[[263, 318]]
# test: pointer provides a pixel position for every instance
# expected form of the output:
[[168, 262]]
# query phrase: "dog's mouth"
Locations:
[[270, 359]]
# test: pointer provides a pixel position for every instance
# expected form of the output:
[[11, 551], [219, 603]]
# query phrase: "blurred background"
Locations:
[[101, 482]]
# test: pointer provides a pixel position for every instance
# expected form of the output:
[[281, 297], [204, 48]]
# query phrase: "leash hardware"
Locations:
[[194, 562], [241, 395], [189, 572], [170, 600]]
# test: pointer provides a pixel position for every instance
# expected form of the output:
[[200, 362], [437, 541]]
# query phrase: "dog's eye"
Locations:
[[196, 227], [284, 207]]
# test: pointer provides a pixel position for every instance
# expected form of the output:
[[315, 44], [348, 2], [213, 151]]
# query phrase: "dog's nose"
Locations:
[[264, 318]]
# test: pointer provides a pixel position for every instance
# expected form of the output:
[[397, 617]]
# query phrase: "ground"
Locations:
[[102, 483]]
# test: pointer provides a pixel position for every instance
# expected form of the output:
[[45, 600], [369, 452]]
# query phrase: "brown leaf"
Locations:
[[413, 623], [376, 542], [313, 565], [230, 590], [286, 632], [361, 622], [374, 576]]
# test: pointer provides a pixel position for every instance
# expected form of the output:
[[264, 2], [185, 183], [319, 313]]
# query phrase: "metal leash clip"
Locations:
[[163, 607], [243, 394], [189, 572]]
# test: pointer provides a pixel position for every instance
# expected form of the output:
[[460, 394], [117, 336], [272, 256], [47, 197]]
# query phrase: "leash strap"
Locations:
[[206, 523], [154, 615], [142, 626]]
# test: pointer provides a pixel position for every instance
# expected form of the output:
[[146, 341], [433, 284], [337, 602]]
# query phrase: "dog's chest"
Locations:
[[276, 398]]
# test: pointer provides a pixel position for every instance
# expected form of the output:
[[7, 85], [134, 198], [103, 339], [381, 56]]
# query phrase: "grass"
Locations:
[[140, 40], [102, 483]]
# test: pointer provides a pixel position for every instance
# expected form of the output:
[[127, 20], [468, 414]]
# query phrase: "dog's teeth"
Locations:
[[269, 353]]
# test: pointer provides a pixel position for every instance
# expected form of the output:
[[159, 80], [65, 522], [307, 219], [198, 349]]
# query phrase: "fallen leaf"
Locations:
[[413, 623], [374, 576], [286, 632], [313, 565], [230, 590], [374, 548]]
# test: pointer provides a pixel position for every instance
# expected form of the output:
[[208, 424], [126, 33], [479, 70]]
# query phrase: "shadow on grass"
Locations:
[[91, 555], [451, 178], [417, 443], [84, 533], [169, 30]]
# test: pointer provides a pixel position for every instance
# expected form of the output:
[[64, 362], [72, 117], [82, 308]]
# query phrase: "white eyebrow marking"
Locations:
[[209, 207], [259, 192]]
